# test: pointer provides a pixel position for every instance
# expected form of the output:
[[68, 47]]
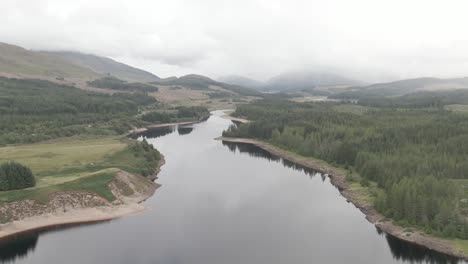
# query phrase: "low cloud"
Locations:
[[363, 39]]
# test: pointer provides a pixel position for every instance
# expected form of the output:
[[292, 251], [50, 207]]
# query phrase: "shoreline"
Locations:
[[338, 179], [88, 215], [236, 119], [144, 129], [74, 217]]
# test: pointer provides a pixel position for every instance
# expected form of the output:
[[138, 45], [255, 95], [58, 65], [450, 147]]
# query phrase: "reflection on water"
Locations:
[[250, 149], [258, 152], [163, 131], [20, 245], [184, 130], [17, 247], [155, 132], [402, 250], [225, 203]]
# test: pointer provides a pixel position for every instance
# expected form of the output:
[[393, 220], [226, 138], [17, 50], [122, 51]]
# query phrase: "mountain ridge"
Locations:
[[104, 65], [20, 61]]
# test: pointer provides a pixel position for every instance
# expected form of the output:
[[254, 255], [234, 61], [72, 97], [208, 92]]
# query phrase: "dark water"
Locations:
[[224, 203]]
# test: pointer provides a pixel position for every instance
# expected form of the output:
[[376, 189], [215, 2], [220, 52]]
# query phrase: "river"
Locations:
[[224, 203]]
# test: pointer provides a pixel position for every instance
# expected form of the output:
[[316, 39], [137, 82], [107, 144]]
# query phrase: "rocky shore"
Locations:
[[74, 207]]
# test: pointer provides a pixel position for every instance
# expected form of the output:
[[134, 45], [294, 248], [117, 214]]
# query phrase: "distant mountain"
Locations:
[[296, 81], [403, 87], [106, 66], [241, 81], [19, 61], [200, 82]]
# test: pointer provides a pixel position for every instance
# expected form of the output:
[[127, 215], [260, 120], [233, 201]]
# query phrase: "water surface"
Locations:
[[225, 203]]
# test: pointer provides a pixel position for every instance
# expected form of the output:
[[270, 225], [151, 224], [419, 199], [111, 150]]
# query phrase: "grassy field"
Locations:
[[72, 164], [461, 245]]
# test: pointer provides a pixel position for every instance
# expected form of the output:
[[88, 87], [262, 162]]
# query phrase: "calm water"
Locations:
[[223, 203]]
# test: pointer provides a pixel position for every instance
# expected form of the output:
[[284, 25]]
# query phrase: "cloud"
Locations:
[[364, 39]]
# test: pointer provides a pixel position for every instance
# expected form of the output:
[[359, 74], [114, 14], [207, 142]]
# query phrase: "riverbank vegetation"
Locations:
[[14, 176], [69, 139], [178, 114], [36, 110], [414, 158], [78, 163]]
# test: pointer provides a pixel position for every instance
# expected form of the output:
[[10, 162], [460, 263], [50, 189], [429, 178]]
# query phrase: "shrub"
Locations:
[[14, 176]]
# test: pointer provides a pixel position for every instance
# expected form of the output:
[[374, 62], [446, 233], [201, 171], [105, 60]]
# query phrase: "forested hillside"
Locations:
[[199, 82], [36, 110], [113, 83], [414, 160]]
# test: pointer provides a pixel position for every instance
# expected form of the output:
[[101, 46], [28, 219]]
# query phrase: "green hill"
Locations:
[[20, 61]]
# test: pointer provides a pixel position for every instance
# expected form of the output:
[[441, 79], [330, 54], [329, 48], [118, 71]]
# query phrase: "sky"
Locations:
[[368, 40]]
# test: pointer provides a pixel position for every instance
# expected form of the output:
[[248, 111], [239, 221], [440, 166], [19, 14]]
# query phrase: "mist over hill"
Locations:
[[105, 65], [200, 82], [293, 81], [19, 61], [306, 80], [403, 87], [242, 81]]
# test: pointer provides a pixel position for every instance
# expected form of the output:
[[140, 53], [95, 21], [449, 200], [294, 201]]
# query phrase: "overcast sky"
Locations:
[[370, 40]]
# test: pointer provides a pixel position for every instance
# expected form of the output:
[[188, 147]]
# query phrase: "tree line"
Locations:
[[150, 154], [178, 114], [114, 83]]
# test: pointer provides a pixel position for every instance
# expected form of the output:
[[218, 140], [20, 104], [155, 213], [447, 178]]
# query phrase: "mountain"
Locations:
[[403, 87], [296, 81], [241, 81], [19, 61], [200, 82], [104, 65]]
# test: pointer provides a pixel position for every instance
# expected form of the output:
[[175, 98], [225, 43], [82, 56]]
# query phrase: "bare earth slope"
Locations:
[[78, 206]]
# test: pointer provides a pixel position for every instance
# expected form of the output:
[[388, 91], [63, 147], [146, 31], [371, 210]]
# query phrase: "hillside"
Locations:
[[409, 165], [19, 61], [200, 82], [105, 65], [297, 81], [241, 81], [403, 87]]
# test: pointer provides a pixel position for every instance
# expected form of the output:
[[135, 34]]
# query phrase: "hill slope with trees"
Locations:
[[415, 161]]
